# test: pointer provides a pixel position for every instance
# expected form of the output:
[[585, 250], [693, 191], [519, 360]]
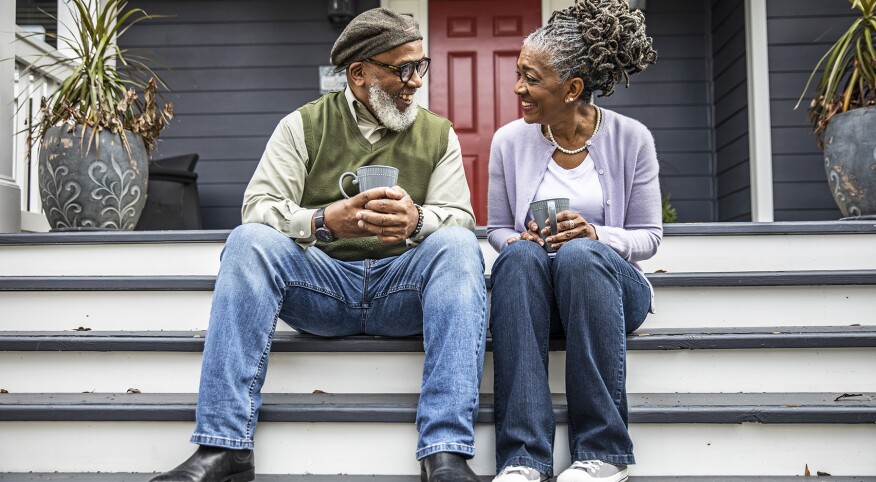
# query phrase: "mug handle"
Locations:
[[341, 182], [552, 214]]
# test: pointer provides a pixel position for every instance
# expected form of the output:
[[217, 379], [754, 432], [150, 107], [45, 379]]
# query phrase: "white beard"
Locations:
[[387, 111]]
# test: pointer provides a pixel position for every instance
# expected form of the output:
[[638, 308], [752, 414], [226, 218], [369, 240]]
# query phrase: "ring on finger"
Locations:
[[571, 224]]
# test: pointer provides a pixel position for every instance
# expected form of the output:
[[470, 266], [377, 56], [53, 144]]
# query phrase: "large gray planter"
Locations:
[[101, 187], [850, 161]]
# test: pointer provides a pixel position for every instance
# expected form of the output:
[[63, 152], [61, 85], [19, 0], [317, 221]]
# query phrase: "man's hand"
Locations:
[[389, 213], [341, 217]]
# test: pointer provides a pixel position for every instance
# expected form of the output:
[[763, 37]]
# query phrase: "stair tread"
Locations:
[[127, 477], [220, 235], [668, 280], [730, 408], [285, 341]]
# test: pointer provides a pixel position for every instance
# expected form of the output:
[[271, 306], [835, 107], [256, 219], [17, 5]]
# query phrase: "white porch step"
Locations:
[[113, 309], [143, 433], [702, 247], [767, 362]]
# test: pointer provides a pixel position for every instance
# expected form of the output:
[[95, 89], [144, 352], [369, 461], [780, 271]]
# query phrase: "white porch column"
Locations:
[[10, 194], [759, 125]]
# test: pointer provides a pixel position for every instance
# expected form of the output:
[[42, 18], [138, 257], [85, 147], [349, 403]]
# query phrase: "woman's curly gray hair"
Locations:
[[600, 41]]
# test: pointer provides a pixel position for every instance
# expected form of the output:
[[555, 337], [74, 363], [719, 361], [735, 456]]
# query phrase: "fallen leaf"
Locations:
[[823, 474], [319, 392], [3, 390], [850, 395], [81, 328], [133, 390], [806, 472], [660, 271], [792, 405], [643, 334]]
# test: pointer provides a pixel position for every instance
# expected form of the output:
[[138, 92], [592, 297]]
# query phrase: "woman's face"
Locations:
[[541, 93]]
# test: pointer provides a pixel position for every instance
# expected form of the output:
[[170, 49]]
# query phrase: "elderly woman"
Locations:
[[591, 288]]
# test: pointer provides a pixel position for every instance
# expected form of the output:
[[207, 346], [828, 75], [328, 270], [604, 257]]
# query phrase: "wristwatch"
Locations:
[[322, 233]]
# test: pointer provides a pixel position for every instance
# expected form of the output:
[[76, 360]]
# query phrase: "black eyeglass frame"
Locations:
[[400, 69]]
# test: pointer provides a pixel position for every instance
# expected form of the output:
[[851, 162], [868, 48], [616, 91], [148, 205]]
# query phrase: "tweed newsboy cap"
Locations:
[[370, 33]]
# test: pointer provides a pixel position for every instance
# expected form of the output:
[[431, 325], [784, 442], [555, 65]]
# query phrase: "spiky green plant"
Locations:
[[849, 77], [670, 215], [96, 94]]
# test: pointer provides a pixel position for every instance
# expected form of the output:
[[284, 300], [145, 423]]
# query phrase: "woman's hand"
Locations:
[[529, 235], [570, 225]]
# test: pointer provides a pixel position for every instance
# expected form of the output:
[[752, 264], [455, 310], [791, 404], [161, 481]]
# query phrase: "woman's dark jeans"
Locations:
[[593, 295]]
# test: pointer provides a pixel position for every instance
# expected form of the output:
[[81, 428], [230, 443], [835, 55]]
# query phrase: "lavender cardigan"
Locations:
[[623, 154]]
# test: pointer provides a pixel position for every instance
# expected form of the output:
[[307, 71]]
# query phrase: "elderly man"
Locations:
[[394, 261]]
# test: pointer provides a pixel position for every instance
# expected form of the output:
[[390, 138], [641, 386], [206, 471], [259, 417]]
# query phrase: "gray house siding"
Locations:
[[673, 98], [800, 32], [731, 110], [236, 68]]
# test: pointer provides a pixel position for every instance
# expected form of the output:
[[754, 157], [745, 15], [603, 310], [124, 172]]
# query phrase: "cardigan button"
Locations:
[[601, 172], [608, 202]]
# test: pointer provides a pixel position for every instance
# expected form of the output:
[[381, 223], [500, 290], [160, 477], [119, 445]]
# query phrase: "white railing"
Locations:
[[35, 77]]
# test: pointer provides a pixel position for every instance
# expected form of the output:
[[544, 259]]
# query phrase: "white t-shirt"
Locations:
[[580, 185]]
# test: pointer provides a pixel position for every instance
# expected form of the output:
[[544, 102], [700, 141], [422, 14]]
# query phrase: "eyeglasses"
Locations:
[[406, 70]]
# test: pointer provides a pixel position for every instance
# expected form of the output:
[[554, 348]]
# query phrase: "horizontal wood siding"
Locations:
[[235, 69], [800, 32], [673, 99], [729, 72]]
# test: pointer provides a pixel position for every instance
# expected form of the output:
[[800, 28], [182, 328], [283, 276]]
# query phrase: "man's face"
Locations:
[[391, 100]]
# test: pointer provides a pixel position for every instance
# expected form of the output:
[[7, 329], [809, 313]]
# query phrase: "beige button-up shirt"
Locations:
[[277, 185]]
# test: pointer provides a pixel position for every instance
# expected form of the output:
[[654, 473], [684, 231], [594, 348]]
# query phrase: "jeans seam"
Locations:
[[396, 289], [301, 284], [265, 353]]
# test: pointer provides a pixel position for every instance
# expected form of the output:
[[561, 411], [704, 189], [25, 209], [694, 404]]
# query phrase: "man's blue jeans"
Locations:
[[436, 289], [589, 292]]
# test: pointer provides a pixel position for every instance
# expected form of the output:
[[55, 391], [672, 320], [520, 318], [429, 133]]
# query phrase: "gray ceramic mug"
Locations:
[[369, 177], [547, 209]]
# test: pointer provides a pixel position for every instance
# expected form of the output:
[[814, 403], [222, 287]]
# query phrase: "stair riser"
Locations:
[[676, 254], [388, 448], [683, 371], [676, 308]]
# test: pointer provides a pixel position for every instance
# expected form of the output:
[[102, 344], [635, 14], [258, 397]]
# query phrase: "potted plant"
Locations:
[[843, 114], [95, 133]]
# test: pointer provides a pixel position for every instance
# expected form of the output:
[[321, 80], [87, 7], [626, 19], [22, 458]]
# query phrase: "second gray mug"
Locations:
[[545, 209]]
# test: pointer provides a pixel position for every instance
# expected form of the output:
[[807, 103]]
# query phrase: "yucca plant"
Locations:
[[848, 80], [96, 94]]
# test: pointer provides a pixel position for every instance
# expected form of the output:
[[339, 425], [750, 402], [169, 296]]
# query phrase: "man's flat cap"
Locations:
[[370, 33]]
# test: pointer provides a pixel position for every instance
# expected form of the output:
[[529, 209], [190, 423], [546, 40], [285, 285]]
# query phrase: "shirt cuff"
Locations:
[[295, 225]]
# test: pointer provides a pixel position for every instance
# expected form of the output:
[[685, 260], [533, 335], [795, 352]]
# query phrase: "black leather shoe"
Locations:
[[446, 467], [213, 464]]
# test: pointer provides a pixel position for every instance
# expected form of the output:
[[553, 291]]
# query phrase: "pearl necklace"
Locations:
[[586, 143]]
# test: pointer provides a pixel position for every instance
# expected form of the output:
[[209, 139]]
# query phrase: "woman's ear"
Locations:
[[574, 88], [356, 74]]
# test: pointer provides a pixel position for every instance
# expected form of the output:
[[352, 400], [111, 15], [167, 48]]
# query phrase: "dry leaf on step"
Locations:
[[133, 390]]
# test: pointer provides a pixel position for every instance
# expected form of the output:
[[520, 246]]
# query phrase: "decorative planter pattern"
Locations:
[[850, 161], [101, 187]]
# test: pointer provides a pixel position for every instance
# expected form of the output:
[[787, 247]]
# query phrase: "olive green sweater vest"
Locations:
[[335, 145]]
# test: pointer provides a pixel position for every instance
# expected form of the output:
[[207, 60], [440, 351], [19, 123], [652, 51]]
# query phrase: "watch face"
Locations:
[[324, 235]]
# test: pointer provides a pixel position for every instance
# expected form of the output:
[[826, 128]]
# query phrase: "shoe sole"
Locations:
[[247, 476]]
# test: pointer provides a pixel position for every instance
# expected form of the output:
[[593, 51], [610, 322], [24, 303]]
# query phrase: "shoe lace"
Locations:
[[516, 469], [591, 466]]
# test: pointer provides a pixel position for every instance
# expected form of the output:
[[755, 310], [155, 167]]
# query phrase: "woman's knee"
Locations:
[[583, 253], [521, 256]]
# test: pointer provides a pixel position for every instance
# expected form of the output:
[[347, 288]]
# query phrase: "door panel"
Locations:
[[474, 47]]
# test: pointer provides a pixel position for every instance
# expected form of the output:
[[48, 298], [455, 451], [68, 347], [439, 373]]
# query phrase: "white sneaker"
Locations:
[[584, 470], [519, 473]]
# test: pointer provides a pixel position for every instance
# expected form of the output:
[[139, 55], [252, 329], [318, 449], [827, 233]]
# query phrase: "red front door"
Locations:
[[474, 46]]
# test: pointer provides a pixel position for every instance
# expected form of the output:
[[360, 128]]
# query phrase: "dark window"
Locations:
[[38, 16]]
